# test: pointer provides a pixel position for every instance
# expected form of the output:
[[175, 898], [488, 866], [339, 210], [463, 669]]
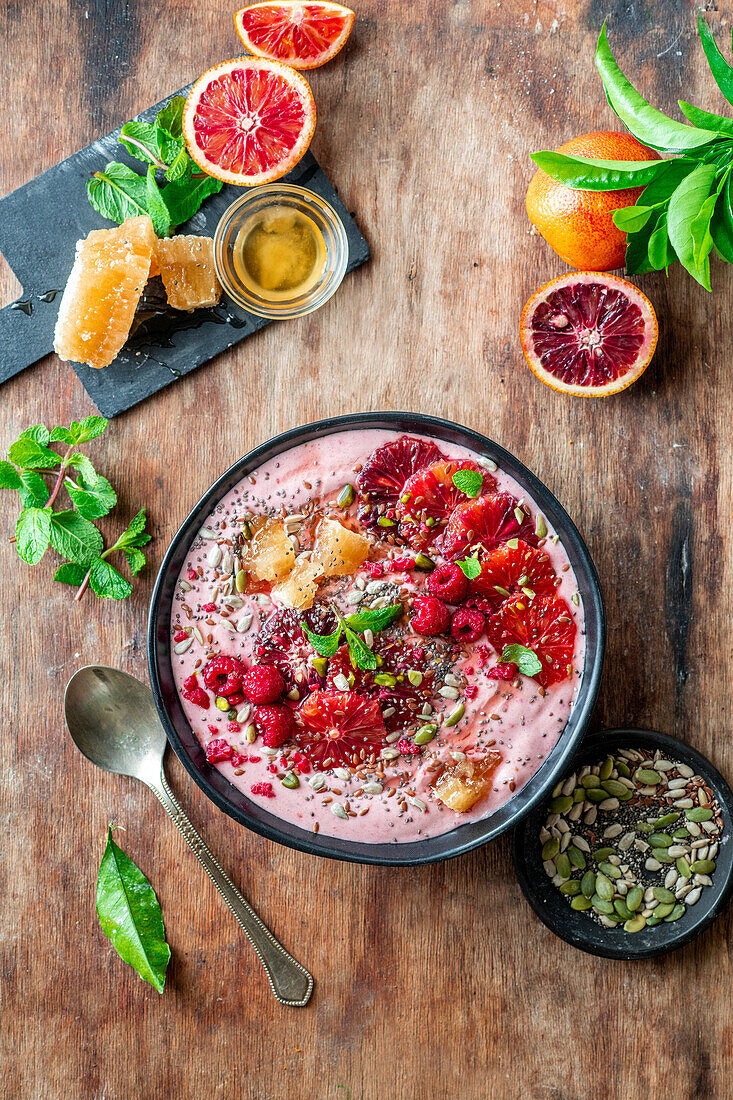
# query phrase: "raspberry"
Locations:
[[481, 604], [263, 684], [234, 727], [483, 655], [180, 636], [238, 759], [263, 788], [236, 700], [195, 694], [223, 675], [190, 682], [470, 691], [402, 565], [218, 750], [467, 625], [213, 729], [431, 616], [208, 607], [373, 568], [505, 670], [192, 575], [255, 759], [448, 583], [408, 748], [275, 724]]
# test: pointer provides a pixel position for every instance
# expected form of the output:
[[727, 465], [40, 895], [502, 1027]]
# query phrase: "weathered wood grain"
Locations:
[[430, 982]]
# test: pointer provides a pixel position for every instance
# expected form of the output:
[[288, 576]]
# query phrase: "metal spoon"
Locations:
[[113, 721]]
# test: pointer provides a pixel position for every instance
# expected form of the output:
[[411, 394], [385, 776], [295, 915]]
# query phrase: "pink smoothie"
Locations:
[[395, 800]]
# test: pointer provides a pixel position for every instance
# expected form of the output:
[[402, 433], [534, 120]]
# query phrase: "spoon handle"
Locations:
[[291, 983]]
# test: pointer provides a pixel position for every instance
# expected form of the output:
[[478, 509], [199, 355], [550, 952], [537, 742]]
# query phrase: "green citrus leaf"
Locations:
[[719, 67], [587, 174], [130, 915], [644, 121], [705, 119], [684, 207], [629, 219]]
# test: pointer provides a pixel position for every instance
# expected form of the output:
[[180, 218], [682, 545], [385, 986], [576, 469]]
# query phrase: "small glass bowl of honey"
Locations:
[[280, 251]]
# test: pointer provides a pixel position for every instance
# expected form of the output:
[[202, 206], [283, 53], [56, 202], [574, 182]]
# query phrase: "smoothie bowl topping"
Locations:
[[377, 639]]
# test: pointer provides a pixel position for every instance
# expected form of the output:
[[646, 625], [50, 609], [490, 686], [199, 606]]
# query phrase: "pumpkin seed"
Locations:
[[425, 735], [414, 677], [606, 769], [576, 857], [623, 769], [602, 853], [700, 813], [604, 886], [664, 820], [662, 894], [683, 867], [681, 834], [588, 884], [634, 898], [424, 563], [622, 909], [647, 776], [561, 804], [290, 780], [571, 887], [551, 848], [596, 794], [635, 924], [703, 866], [540, 527], [660, 840], [455, 716], [250, 734], [661, 855], [563, 865], [644, 827], [602, 905], [241, 581], [346, 497], [664, 910], [676, 913], [580, 902], [617, 790], [578, 795], [589, 781], [609, 870]]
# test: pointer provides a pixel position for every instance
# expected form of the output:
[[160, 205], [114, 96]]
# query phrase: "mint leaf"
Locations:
[[525, 659], [85, 468], [9, 476], [88, 428], [360, 653], [178, 167], [135, 559], [184, 197], [33, 491], [33, 532], [156, 205], [470, 567], [61, 435], [92, 501], [68, 573], [118, 192], [134, 535], [39, 432], [27, 453], [107, 582], [374, 620], [325, 645], [130, 915], [140, 140], [468, 482], [171, 116], [75, 537]]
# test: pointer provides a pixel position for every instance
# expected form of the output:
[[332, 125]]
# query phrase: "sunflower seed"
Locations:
[[652, 864], [389, 754], [245, 622], [372, 788], [693, 896], [183, 646], [612, 831], [214, 556], [184, 586], [318, 782], [207, 533], [340, 682], [417, 803], [686, 770], [683, 804], [338, 810], [449, 692]]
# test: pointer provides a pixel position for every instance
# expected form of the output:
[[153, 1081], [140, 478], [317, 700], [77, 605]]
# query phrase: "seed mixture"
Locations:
[[632, 840]]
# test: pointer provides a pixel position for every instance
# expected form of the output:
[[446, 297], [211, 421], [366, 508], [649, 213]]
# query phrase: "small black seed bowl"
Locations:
[[579, 929]]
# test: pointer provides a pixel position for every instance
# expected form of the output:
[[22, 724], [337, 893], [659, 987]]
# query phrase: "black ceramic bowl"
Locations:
[[464, 837], [579, 929]]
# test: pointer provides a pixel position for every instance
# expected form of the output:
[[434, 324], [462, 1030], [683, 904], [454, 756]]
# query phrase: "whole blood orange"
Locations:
[[249, 121], [579, 224], [302, 33], [588, 334]]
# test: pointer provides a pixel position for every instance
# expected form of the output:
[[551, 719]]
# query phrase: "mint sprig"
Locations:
[[352, 626], [470, 567], [170, 191], [71, 532], [525, 659], [468, 482], [685, 211]]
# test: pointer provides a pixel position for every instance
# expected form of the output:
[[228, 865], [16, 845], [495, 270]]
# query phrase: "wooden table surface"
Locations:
[[430, 982]]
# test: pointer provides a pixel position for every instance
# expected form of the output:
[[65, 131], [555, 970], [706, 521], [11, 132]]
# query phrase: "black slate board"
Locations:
[[40, 224]]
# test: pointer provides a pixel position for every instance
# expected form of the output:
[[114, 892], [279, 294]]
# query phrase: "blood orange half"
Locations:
[[339, 728], [304, 35], [513, 569], [588, 334], [249, 121]]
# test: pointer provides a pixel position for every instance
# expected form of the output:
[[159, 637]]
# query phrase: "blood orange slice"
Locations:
[[387, 469], [543, 625], [249, 121], [486, 522], [429, 497], [588, 334], [339, 727], [511, 569], [304, 35]]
